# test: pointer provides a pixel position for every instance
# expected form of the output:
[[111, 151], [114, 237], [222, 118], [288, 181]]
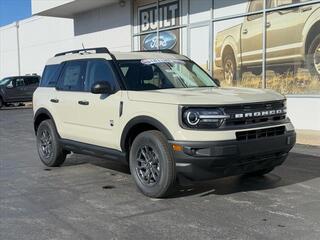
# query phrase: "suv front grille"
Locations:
[[255, 113], [260, 133]]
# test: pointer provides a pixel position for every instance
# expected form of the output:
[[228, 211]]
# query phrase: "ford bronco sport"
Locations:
[[161, 113]]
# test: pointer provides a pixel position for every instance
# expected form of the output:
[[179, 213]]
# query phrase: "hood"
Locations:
[[205, 96]]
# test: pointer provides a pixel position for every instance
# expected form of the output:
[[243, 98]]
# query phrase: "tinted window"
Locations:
[[72, 78], [31, 80], [19, 82], [97, 71], [50, 75]]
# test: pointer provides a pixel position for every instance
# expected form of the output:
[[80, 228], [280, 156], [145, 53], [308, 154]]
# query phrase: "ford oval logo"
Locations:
[[167, 40]]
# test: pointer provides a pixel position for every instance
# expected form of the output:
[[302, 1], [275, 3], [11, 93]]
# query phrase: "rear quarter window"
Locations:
[[50, 75], [31, 80]]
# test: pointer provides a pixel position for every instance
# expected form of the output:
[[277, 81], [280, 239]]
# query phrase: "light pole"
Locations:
[[18, 47]]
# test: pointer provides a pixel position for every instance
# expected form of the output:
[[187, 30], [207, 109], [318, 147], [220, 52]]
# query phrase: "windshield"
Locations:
[[153, 74], [4, 81]]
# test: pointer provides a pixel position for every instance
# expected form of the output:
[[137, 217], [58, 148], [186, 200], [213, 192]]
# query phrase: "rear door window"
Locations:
[[72, 77], [19, 82], [31, 81]]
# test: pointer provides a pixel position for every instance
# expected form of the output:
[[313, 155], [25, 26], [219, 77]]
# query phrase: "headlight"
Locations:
[[203, 118]]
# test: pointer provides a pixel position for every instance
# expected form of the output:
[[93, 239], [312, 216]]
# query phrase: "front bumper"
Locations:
[[208, 160]]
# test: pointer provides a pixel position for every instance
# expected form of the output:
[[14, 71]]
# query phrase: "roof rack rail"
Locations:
[[97, 50], [159, 50]]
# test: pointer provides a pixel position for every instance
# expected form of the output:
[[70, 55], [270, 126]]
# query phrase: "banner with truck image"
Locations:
[[292, 47]]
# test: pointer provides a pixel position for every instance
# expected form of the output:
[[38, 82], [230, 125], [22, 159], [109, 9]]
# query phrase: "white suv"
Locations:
[[161, 113]]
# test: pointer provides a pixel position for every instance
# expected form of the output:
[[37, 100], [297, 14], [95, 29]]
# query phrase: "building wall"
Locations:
[[304, 112], [8, 51], [42, 37], [42, 5], [109, 26]]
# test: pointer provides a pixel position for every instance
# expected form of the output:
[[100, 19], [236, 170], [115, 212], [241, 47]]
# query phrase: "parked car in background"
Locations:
[[293, 40], [18, 89]]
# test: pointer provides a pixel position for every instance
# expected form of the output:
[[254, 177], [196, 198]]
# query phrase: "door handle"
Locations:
[[306, 9], [54, 100], [86, 103], [268, 25], [245, 31]]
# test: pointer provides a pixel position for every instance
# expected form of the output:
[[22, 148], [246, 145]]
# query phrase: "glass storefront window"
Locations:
[[200, 10], [157, 24], [199, 47], [225, 8], [234, 53], [238, 51]]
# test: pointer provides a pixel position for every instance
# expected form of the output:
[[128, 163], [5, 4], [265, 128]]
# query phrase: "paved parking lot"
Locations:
[[90, 198]]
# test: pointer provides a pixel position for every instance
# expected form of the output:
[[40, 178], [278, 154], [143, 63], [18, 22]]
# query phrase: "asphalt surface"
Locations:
[[90, 198]]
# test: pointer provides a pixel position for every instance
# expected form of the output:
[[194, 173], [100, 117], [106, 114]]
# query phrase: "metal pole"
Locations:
[[18, 47], [264, 45], [158, 25]]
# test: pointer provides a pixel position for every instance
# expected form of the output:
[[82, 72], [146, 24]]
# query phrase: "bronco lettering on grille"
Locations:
[[260, 113]]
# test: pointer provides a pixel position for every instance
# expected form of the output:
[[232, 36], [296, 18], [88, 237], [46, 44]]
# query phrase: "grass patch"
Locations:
[[288, 83]]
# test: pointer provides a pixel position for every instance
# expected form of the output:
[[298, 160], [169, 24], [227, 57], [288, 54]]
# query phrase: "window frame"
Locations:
[[252, 16]]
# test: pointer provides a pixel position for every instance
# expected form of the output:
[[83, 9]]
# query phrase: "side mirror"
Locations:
[[101, 87], [9, 86], [217, 82]]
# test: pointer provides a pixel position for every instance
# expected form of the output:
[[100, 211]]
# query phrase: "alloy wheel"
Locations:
[[316, 59], [148, 166], [229, 71], [45, 144]]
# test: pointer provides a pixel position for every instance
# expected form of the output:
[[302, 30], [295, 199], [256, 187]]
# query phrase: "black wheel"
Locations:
[[230, 68], [152, 165], [49, 148], [313, 57], [1, 102], [260, 172]]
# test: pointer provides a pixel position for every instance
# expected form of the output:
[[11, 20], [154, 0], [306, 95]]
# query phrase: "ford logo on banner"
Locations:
[[167, 40]]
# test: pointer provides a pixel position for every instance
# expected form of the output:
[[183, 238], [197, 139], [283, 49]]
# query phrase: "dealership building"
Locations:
[[246, 43]]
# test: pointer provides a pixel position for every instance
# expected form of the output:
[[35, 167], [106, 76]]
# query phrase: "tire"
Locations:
[[256, 72], [49, 149], [1, 102], [313, 57], [229, 68], [152, 165], [259, 173]]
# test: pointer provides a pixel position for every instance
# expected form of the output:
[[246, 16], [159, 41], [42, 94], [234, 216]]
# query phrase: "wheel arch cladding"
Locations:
[[138, 125], [41, 115]]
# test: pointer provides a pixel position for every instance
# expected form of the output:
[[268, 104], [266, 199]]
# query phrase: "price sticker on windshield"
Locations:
[[159, 60]]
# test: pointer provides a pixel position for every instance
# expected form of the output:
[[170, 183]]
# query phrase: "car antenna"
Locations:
[[84, 49]]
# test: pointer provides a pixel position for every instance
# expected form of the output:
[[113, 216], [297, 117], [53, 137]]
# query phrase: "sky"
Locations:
[[13, 10]]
